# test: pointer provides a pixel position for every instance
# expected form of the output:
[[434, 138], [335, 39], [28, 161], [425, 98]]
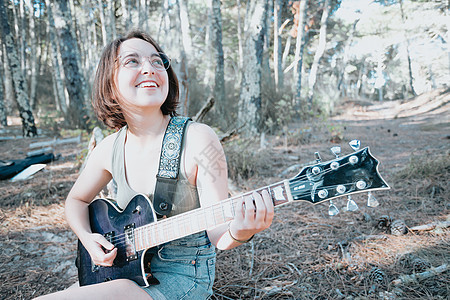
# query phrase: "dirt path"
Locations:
[[305, 254]]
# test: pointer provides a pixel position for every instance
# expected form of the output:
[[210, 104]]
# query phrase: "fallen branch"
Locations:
[[406, 279], [431, 226], [228, 135], [204, 110], [56, 142]]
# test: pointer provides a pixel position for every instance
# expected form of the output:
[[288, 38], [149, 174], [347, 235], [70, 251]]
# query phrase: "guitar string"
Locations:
[[121, 238]]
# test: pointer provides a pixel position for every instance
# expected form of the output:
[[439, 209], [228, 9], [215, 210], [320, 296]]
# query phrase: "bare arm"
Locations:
[[253, 214], [90, 182]]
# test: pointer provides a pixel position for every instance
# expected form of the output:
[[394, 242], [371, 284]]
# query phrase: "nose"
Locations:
[[147, 67]]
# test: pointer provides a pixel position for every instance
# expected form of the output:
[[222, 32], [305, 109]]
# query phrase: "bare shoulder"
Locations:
[[200, 137], [101, 156]]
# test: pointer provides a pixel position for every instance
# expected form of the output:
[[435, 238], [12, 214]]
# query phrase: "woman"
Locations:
[[136, 91]]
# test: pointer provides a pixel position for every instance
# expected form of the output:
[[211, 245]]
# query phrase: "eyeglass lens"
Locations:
[[159, 61]]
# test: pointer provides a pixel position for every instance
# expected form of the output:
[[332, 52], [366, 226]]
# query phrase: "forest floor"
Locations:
[[305, 254]]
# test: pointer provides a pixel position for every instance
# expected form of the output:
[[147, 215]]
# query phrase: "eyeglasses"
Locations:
[[134, 61]]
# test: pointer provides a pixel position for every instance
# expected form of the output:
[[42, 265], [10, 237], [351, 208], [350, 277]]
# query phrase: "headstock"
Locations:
[[354, 173]]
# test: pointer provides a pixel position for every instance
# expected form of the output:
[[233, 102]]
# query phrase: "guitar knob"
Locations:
[[316, 170], [322, 194], [334, 165], [353, 159], [340, 189], [361, 184], [336, 150], [355, 144], [318, 158]]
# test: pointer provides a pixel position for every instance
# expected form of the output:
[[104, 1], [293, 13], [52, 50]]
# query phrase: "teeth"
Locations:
[[146, 84]]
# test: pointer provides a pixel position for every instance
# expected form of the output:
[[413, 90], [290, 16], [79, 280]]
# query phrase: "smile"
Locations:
[[147, 84]]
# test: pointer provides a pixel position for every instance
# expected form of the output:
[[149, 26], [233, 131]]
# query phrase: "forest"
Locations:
[[278, 81]]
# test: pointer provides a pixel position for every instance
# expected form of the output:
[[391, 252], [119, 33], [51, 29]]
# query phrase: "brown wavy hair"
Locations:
[[105, 92]]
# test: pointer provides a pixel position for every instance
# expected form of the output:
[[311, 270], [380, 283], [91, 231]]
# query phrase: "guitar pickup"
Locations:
[[130, 250]]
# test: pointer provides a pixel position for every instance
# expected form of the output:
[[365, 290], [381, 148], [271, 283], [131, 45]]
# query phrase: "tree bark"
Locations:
[[250, 94], [28, 126], [319, 52], [33, 58], [216, 38], [408, 56], [60, 96], [3, 114], [183, 65], [76, 115], [300, 44], [343, 75], [277, 47]]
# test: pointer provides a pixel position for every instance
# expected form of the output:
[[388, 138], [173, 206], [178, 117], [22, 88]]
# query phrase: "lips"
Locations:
[[147, 84]]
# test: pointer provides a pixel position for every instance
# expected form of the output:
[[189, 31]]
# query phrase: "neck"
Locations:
[[148, 125]]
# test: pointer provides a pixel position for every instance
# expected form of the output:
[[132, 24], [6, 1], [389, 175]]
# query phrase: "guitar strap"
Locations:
[[169, 165]]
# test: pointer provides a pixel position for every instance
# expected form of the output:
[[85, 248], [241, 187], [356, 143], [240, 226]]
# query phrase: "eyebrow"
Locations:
[[127, 54]]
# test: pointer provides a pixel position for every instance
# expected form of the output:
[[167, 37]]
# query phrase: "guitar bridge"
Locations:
[[130, 250]]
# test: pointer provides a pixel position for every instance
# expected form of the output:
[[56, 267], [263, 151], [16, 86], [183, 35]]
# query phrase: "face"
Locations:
[[144, 86]]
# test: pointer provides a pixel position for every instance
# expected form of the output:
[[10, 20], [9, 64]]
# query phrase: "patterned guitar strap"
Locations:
[[169, 166]]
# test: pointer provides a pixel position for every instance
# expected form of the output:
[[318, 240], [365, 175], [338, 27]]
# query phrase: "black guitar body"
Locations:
[[115, 225]]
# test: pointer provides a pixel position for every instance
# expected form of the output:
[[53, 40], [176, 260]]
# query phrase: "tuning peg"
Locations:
[[371, 200], [332, 209], [336, 150], [351, 204], [355, 144], [318, 158]]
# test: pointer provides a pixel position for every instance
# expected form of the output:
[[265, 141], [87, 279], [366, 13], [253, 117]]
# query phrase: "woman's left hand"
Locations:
[[254, 213]]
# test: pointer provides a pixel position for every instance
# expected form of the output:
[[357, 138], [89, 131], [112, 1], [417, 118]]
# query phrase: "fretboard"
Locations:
[[201, 219]]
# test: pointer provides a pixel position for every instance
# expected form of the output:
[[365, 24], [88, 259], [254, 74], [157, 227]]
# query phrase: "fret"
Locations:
[[176, 227], [137, 238], [279, 194], [227, 208], [218, 216], [146, 236], [193, 223], [201, 218], [152, 233]]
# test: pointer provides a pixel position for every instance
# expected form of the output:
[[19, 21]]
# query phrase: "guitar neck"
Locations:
[[201, 219]]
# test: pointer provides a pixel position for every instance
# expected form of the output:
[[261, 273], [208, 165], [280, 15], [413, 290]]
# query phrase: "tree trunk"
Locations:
[[3, 114], [299, 52], [277, 48], [183, 65], [28, 126], [216, 38], [33, 58], [239, 31], [408, 56], [10, 95], [60, 96], [77, 115], [319, 52], [104, 26], [342, 74], [250, 94]]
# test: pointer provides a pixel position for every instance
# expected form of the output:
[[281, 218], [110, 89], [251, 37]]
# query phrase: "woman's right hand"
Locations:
[[102, 252]]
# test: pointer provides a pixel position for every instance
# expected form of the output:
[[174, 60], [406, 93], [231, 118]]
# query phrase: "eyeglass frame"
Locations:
[[120, 59]]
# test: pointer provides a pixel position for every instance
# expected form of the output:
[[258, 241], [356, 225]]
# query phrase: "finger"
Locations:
[[104, 242], [260, 215], [269, 207], [249, 209], [109, 257], [239, 209]]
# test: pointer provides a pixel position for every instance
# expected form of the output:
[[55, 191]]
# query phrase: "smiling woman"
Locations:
[[136, 93]]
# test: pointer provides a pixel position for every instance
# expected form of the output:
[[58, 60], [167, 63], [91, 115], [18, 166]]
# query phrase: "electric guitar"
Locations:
[[136, 228]]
